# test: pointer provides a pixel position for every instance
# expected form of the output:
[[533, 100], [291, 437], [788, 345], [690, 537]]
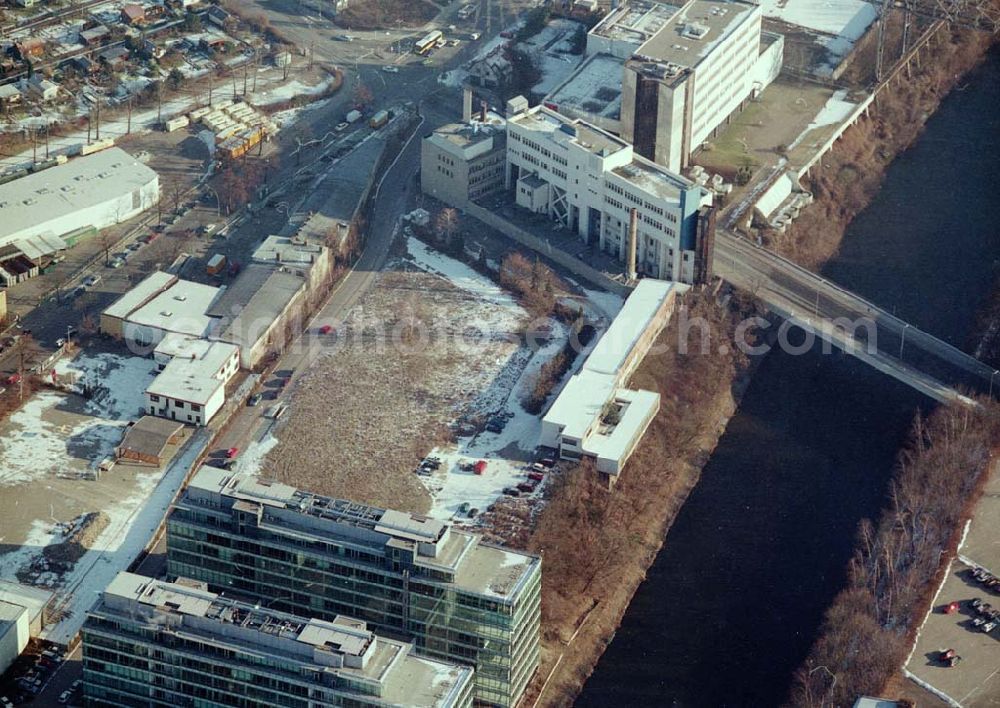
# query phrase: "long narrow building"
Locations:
[[455, 597], [152, 643]]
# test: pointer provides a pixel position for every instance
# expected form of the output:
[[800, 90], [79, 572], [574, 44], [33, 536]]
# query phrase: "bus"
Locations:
[[428, 43]]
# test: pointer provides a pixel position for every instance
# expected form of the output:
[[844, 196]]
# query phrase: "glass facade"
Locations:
[[327, 576], [129, 662]]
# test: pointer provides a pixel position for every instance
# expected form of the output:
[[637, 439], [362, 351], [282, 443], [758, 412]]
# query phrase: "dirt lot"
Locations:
[[398, 376]]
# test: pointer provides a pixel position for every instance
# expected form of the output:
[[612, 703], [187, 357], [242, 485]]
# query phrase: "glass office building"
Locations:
[[409, 576], [152, 643]]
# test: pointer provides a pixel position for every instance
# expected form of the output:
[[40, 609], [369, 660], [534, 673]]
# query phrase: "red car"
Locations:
[[479, 467], [537, 476], [232, 452], [14, 378], [326, 329]]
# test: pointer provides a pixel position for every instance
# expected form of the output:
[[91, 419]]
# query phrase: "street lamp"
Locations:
[[902, 339], [991, 382]]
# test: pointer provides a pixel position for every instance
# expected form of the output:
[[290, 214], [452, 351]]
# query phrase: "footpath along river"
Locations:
[[734, 599]]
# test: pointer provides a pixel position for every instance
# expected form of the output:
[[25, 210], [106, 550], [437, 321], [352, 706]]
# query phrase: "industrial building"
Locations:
[[455, 597], [191, 387], [595, 415], [159, 305], [683, 70], [591, 181], [91, 192], [154, 643], [22, 614], [460, 162]]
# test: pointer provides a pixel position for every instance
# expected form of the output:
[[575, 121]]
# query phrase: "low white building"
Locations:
[[595, 415], [14, 633], [159, 305], [191, 388], [590, 181], [95, 191]]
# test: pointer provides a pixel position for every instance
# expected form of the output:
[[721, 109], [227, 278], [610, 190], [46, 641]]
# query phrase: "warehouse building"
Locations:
[[96, 191], [154, 643], [462, 162], [22, 614], [680, 72], [160, 305], [595, 415], [591, 181], [457, 598]]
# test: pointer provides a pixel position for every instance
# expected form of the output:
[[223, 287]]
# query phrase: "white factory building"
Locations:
[[96, 191], [591, 181], [595, 415], [191, 387], [685, 69]]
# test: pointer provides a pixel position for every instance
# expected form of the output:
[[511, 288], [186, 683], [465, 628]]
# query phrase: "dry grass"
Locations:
[[363, 417], [852, 172], [375, 14], [598, 544], [898, 565]]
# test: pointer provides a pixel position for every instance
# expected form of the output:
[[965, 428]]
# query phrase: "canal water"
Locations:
[[733, 601]]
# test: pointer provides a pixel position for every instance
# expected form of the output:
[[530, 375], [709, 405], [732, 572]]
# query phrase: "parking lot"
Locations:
[[975, 680]]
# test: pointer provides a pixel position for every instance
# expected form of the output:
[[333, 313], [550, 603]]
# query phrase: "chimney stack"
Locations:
[[633, 225], [466, 104]]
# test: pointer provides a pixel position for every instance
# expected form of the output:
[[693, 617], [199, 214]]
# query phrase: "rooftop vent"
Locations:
[[166, 313], [180, 298], [695, 30]]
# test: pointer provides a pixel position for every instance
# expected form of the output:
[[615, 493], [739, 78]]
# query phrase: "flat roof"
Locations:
[[182, 307], [699, 27], [193, 380], [264, 307], [344, 646], [613, 443], [150, 435], [617, 342], [175, 344], [150, 286], [469, 140], [35, 599], [289, 251], [559, 128], [594, 88], [479, 568], [653, 179], [635, 21], [580, 402], [57, 192]]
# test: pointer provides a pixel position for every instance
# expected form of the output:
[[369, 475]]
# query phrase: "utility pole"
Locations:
[[210, 84], [88, 126], [246, 75], [159, 103], [34, 147], [47, 140], [128, 129], [97, 127]]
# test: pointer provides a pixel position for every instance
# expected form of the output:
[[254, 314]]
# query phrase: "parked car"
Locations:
[[254, 399], [326, 329], [526, 487], [548, 462], [92, 280], [117, 263], [390, 69], [537, 476], [65, 696], [232, 452], [473, 512], [341, 126], [343, 38], [479, 467], [464, 508], [511, 492]]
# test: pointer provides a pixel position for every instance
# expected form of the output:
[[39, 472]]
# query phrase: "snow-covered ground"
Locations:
[[835, 111], [133, 524], [836, 24], [37, 441], [551, 48], [508, 453]]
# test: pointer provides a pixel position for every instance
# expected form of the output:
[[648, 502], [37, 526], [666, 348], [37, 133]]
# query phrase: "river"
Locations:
[[733, 601]]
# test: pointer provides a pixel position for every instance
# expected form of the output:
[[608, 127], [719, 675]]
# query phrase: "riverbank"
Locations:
[[574, 648], [598, 545], [846, 180], [900, 562]]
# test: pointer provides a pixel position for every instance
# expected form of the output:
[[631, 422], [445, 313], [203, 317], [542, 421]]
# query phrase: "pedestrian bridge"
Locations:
[[851, 323]]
